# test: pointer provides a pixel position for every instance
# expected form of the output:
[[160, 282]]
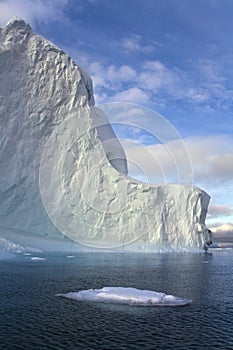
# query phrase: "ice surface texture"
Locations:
[[46, 123], [39, 85], [129, 296]]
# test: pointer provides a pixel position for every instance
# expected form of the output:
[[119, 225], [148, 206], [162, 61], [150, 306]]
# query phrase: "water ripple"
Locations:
[[33, 318]]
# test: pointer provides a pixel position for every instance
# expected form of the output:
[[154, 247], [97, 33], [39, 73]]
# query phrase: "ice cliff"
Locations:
[[63, 172]]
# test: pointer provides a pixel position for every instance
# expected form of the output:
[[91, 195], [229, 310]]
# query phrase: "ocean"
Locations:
[[34, 318]]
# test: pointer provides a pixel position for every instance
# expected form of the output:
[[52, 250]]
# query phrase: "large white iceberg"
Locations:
[[63, 171], [129, 296]]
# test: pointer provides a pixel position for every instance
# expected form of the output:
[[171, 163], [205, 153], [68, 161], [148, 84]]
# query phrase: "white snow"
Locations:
[[64, 171], [129, 296]]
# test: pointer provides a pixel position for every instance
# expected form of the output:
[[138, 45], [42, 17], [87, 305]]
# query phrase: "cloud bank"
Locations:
[[223, 232]]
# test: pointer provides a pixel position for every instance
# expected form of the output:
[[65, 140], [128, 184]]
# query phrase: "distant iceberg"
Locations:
[[129, 296], [9, 249], [37, 258]]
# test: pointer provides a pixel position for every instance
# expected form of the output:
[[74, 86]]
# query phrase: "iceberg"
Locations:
[[9, 249], [63, 170], [13, 247], [129, 296], [37, 258]]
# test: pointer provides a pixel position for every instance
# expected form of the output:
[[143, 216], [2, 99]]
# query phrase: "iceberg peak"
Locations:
[[17, 23]]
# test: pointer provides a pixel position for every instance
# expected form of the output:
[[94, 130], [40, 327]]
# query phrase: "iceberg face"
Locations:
[[63, 169], [39, 84], [112, 147], [128, 296], [95, 205]]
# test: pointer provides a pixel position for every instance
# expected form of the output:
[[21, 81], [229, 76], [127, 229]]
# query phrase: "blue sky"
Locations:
[[172, 56]]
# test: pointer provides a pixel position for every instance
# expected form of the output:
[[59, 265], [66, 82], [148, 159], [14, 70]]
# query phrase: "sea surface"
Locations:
[[32, 317]]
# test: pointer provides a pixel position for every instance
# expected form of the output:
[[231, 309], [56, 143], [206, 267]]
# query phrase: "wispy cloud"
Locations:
[[133, 95], [212, 158], [32, 11], [217, 210], [202, 87], [135, 43], [115, 83], [223, 231]]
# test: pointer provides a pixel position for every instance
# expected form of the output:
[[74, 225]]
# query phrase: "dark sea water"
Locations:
[[32, 317]]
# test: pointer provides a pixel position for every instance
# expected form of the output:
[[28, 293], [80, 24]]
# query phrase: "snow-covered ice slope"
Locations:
[[39, 84], [46, 123]]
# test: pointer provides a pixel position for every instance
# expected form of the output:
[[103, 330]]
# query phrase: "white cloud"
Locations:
[[132, 95], [141, 86], [31, 11], [154, 161], [155, 76], [216, 210], [198, 95], [212, 158], [223, 231], [122, 74], [97, 72], [211, 71], [134, 43], [201, 86], [108, 76], [116, 84]]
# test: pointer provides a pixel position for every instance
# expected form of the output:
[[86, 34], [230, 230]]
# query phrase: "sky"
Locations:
[[172, 57]]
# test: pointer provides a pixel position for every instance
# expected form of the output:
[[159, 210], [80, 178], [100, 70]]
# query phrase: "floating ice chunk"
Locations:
[[70, 256], [130, 296], [37, 258]]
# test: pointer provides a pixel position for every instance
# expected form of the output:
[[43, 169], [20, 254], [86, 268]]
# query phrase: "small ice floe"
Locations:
[[205, 262], [70, 256], [37, 258], [129, 296]]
